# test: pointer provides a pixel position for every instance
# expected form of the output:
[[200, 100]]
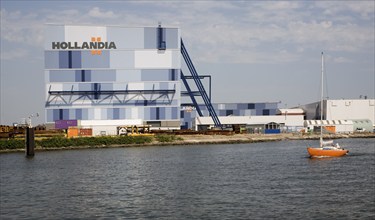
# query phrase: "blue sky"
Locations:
[[254, 50]]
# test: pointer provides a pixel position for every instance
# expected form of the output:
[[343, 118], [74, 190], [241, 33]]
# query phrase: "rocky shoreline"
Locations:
[[213, 139]]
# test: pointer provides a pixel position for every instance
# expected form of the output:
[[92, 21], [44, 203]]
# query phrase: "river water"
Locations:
[[240, 181]]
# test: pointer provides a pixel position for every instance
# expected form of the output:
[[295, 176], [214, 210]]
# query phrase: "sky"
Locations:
[[255, 51]]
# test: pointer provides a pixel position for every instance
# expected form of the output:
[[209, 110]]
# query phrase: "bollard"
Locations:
[[29, 142]]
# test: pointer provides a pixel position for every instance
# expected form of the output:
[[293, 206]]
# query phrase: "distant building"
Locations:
[[342, 109], [261, 117], [189, 113]]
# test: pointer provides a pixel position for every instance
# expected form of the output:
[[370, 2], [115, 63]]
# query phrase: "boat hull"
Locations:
[[320, 152]]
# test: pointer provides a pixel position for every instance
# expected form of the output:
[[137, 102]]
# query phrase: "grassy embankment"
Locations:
[[56, 143], [85, 142]]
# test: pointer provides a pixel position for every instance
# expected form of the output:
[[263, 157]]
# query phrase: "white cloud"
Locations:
[[97, 13], [341, 60], [221, 31], [14, 54]]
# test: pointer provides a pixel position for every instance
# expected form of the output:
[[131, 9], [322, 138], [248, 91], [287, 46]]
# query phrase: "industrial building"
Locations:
[[189, 112], [106, 76], [103, 77], [360, 112]]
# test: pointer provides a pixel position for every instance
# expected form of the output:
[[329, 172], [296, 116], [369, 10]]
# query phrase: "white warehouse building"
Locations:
[[342, 109]]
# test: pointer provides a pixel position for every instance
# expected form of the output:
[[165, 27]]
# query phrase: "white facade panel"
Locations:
[[82, 34], [176, 59], [134, 113], [121, 59], [97, 113], [147, 59], [89, 123], [104, 130], [346, 128], [290, 121], [136, 86], [350, 109]]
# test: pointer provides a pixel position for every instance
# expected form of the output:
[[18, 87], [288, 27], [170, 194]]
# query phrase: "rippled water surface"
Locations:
[[243, 181]]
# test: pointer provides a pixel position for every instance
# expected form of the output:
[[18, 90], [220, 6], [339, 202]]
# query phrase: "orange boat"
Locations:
[[327, 152], [327, 148]]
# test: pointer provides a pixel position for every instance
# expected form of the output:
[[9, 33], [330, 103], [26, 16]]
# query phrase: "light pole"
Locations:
[[29, 119]]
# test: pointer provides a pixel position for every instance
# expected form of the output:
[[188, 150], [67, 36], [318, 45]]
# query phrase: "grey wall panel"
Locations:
[[63, 59], [260, 106], [56, 114], [49, 115], [85, 114], [78, 114], [150, 38], [126, 38], [171, 38], [128, 113], [153, 113], [109, 114], [84, 87], [76, 59], [103, 75], [175, 111], [155, 75], [242, 106], [65, 114], [162, 113], [128, 75], [51, 60], [121, 59], [78, 75], [90, 61], [62, 76], [167, 113], [147, 114], [72, 113]]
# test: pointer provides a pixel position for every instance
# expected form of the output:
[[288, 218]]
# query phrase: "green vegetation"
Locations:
[[12, 144], [60, 142], [167, 138], [93, 141]]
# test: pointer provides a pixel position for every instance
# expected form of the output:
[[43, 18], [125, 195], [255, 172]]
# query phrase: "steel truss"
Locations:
[[111, 97], [201, 90]]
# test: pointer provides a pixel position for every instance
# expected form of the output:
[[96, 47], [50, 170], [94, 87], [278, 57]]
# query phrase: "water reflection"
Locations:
[[256, 181]]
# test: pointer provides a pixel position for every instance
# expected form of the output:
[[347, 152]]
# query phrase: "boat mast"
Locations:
[[321, 104]]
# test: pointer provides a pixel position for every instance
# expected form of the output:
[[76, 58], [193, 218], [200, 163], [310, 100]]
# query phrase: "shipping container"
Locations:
[[73, 132], [330, 129], [84, 132], [272, 131], [65, 124]]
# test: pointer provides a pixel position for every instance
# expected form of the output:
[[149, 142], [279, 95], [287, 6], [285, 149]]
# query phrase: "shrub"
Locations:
[[167, 138], [12, 144], [58, 142], [54, 142]]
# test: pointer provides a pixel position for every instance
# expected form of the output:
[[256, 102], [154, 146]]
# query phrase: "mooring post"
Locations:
[[29, 142]]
